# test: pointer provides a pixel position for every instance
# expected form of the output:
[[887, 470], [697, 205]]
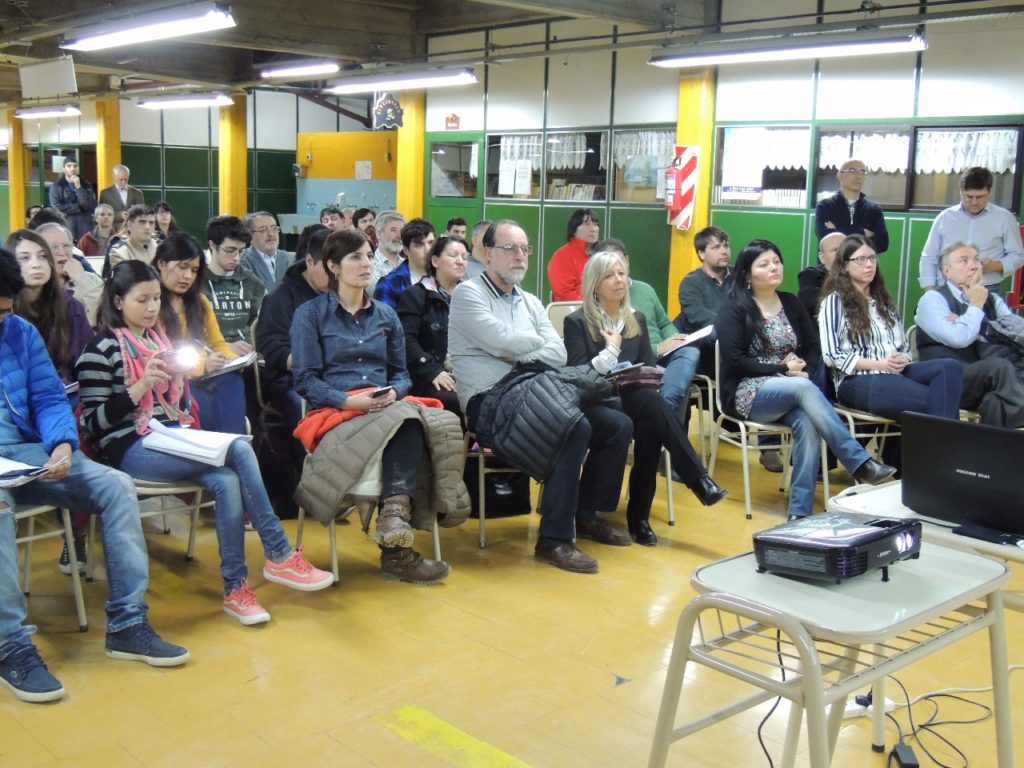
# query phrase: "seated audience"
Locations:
[[456, 227], [496, 327], [235, 293], [417, 245], [863, 342], [607, 331], [388, 253], [565, 270], [187, 318], [477, 262], [423, 312], [37, 427], [263, 258], [768, 352], [83, 283], [94, 242], [364, 219], [812, 279], [349, 355], [332, 218], [165, 223], [128, 378], [950, 320], [138, 243]]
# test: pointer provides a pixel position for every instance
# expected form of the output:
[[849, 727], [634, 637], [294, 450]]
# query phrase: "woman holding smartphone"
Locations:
[[130, 374], [348, 360], [865, 346]]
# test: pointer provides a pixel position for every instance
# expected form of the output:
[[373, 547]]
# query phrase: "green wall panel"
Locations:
[[273, 170], [188, 167], [5, 205], [144, 162], [528, 217], [787, 230], [648, 239], [438, 213], [192, 209], [891, 263], [274, 201], [919, 229]]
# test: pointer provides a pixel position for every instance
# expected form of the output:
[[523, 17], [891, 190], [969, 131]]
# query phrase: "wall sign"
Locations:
[[387, 112]]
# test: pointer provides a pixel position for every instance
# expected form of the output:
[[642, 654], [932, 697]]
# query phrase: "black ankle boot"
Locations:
[[641, 532], [708, 491]]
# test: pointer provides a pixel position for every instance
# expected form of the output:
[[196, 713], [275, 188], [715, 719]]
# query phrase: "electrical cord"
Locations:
[[775, 704]]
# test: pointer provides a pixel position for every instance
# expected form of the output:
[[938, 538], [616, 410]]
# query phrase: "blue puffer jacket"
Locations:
[[31, 388]]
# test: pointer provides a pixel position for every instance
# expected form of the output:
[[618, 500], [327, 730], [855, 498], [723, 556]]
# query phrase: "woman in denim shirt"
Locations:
[[348, 353]]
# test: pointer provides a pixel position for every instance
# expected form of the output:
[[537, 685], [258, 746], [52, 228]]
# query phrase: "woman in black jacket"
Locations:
[[769, 350], [423, 310], [605, 331]]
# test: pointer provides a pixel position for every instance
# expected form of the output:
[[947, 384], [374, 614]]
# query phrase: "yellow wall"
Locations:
[[334, 155], [696, 126]]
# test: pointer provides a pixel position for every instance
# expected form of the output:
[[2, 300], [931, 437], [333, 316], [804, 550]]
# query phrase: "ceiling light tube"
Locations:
[[186, 101], [189, 19], [792, 48], [391, 81], [55, 110], [301, 69]]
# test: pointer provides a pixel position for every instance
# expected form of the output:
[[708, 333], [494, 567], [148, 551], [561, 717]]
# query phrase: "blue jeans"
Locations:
[[92, 488], [237, 489], [679, 371], [931, 386], [798, 403], [221, 403]]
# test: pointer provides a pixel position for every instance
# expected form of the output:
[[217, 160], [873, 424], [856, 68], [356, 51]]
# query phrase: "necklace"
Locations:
[[771, 308]]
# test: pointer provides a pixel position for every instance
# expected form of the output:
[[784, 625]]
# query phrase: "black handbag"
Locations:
[[640, 377]]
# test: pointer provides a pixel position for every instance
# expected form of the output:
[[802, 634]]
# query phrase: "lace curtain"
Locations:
[[658, 144], [756, 148], [880, 152], [568, 151], [523, 146], [955, 151]]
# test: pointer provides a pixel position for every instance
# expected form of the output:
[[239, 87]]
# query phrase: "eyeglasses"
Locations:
[[864, 260], [267, 230], [230, 250], [511, 248], [61, 247], [855, 171]]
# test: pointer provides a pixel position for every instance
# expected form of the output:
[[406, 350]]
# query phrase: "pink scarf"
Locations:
[[134, 356]]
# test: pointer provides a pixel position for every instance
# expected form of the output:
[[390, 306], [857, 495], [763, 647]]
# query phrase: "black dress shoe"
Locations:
[[643, 534], [708, 491], [873, 472], [564, 555], [602, 532]]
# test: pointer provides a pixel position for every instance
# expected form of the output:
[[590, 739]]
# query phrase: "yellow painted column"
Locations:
[[695, 127], [409, 193], [17, 172], [232, 169], [108, 139]]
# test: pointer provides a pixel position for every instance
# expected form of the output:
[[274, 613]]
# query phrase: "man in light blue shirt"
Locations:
[[994, 231], [950, 323]]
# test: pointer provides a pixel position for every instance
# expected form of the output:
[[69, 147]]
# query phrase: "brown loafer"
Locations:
[[602, 532], [564, 555]]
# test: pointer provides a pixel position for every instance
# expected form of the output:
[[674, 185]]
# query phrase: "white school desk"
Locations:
[[832, 639], [886, 501]]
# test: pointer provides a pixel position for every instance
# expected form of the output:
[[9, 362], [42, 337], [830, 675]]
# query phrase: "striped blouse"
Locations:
[[842, 355]]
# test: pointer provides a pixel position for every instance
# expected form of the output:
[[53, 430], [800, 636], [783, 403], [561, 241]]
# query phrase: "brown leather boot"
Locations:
[[406, 564], [393, 529]]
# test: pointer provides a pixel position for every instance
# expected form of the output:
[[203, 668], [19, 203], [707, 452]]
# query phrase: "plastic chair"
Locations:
[[29, 514], [558, 311]]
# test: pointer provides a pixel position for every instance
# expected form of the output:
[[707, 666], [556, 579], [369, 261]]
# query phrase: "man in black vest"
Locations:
[[950, 323]]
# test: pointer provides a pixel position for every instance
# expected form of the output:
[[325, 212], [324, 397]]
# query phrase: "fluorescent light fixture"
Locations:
[[393, 81], [789, 48], [188, 19], [186, 101], [301, 69], [54, 110]]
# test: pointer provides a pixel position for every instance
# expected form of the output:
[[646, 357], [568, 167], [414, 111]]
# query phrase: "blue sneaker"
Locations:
[[140, 643], [24, 672]]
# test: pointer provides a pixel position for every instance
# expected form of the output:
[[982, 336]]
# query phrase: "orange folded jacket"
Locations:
[[316, 424]]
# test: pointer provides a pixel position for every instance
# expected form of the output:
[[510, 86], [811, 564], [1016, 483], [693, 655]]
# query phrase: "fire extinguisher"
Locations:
[[672, 183]]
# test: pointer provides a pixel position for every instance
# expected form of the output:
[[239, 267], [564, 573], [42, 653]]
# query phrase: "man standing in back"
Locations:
[[121, 196], [849, 211], [74, 197]]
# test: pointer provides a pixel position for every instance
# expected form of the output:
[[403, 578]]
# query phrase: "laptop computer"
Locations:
[[964, 473]]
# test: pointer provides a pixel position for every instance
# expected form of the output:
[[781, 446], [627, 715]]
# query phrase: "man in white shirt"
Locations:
[[120, 195], [950, 323], [263, 257], [992, 229], [140, 243]]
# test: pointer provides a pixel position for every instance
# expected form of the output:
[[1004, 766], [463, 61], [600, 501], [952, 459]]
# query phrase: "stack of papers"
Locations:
[[14, 473], [196, 444], [237, 364]]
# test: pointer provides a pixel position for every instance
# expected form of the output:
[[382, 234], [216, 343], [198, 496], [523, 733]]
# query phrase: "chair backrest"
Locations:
[[718, 378], [559, 310], [912, 342]]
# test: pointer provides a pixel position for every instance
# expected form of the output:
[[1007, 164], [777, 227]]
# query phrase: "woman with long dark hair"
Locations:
[[423, 311], [165, 223], [127, 378], [769, 351], [59, 317], [606, 331], [864, 344], [187, 318]]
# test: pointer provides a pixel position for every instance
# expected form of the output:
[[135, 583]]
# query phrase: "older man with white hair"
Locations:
[[120, 195]]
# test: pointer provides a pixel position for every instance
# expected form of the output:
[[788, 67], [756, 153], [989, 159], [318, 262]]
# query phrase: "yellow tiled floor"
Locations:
[[522, 664]]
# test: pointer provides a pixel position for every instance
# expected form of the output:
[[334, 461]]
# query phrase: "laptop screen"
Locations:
[[963, 472]]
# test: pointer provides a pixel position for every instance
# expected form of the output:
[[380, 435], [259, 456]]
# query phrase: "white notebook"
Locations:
[[197, 444]]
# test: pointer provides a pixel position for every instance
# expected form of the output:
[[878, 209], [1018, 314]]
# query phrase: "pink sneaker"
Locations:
[[298, 573], [244, 606]]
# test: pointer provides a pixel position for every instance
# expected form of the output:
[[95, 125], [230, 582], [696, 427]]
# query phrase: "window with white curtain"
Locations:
[[576, 165], [639, 159], [762, 166], [942, 154], [884, 150], [453, 168], [513, 165]]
